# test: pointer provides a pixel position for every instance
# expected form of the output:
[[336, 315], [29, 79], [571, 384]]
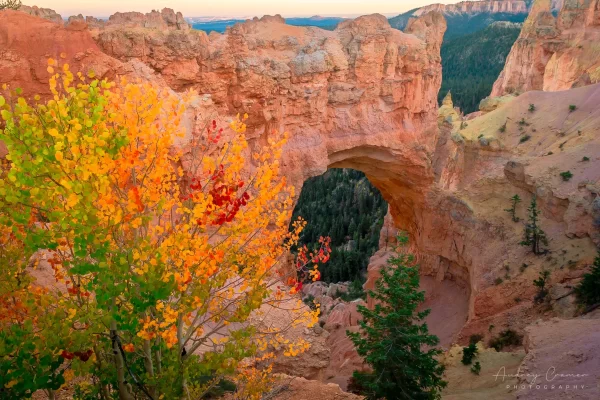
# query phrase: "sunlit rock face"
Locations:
[[554, 53]]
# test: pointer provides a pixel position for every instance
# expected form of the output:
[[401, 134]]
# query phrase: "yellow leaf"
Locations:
[[59, 156], [72, 200]]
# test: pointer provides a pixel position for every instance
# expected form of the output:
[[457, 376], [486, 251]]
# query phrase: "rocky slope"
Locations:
[[554, 53]]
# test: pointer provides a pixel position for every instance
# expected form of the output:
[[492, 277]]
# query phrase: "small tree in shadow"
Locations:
[[394, 339], [588, 291], [540, 282], [513, 209], [534, 235]]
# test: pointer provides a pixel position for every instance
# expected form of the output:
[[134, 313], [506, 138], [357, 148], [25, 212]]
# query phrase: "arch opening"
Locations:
[[405, 183]]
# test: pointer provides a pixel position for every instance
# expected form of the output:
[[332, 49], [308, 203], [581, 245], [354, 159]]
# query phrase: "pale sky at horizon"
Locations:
[[235, 8]]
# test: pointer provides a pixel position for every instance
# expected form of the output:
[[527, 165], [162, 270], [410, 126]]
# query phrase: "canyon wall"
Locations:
[[554, 53]]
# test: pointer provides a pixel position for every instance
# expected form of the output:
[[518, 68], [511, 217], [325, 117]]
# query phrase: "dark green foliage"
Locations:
[[471, 64], [540, 283], [585, 159], [10, 4], [394, 340], [503, 127], [45, 372], [513, 209], [506, 338], [476, 338], [342, 204], [524, 138], [534, 236], [572, 107], [588, 291], [476, 368], [469, 353], [566, 176], [531, 107], [355, 291], [498, 281]]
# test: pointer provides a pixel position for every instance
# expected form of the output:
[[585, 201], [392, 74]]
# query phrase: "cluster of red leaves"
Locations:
[[82, 355], [227, 198], [211, 136], [75, 290], [305, 258]]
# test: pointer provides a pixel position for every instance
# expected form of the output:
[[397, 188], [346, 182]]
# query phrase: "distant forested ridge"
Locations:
[[471, 63], [344, 205], [473, 53], [461, 24]]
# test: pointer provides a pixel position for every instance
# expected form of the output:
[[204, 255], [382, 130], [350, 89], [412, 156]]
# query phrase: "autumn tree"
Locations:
[[534, 236], [164, 260], [394, 340]]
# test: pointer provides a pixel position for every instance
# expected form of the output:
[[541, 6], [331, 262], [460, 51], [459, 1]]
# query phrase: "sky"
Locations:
[[236, 8]]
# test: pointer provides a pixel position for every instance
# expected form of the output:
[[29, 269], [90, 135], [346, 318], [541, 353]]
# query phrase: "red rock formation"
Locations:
[[26, 43], [165, 19], [44, 13], [554, 53]]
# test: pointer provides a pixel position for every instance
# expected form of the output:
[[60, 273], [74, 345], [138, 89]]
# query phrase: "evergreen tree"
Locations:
[[588, 291], [515, 200], [534, 235], [540, 283], [395, 341]]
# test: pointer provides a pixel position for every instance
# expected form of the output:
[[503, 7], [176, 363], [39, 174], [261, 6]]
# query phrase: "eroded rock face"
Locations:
[[45, 13], [165, 19], [554, 53]]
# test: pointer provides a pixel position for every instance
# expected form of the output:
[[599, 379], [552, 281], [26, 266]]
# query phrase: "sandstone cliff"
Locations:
[[44, 13], [554, 53]]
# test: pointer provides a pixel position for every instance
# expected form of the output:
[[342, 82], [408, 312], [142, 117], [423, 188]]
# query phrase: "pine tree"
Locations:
[[513, 210], [534, 235], [395, 341], [588, 291], [540, 283]]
